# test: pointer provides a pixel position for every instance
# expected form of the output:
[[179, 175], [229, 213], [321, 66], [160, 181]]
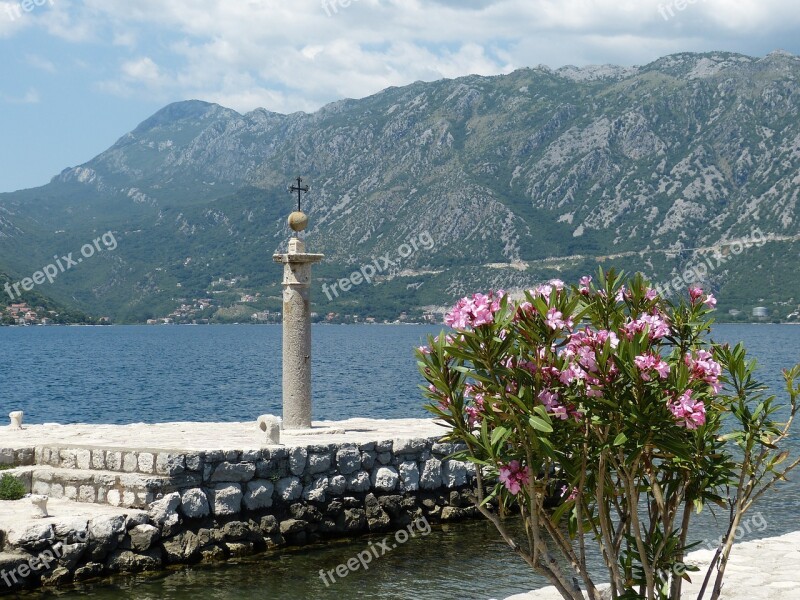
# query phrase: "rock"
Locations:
[[431, 478], [236, 531], [358, 482], [385, 458], [352, 519], [194, 462], [213, 553], [184, 547], [136, 518], [409, 476], [259, 494], [319, 463], [125, 561], [90, 569], [237, 549], [289, 489], [194, 503], [409, 446], [59, 576], [233, 472], [142, 537], [337, 485], [269, 525], [297, 460], [71, 555], [170, 464], [368, 458], [315, 491], [293, 526], [164, 509], [348, 460], [226, 499], [32, 538], [384, 479], [454, 473], [377, 519]]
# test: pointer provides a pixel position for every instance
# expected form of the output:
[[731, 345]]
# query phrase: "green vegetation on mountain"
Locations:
[[516, 178]]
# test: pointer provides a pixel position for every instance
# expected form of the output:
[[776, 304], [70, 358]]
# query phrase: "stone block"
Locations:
[[385, 479]]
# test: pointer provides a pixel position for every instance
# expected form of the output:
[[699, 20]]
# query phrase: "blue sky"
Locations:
[[76, 75]]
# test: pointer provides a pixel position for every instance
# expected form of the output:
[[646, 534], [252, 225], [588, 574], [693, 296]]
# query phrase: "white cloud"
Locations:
[[39, 62], [290, 56], [30, 97]]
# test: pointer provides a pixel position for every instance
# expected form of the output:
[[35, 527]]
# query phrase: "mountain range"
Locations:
[[452, 187]]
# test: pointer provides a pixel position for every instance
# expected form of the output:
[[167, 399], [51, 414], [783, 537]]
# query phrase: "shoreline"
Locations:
[[762, 569]]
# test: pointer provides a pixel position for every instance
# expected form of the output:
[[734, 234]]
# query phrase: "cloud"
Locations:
[[299, 55], [30, 97], [38, 62]]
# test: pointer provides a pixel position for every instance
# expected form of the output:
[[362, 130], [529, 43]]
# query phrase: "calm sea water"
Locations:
[[132, 374]]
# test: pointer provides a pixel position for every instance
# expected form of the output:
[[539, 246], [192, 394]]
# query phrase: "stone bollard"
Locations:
[[16, 419], [271, 425], [40, 506]]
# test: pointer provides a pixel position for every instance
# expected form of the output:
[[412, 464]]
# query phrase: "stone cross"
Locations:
[[297, 327]]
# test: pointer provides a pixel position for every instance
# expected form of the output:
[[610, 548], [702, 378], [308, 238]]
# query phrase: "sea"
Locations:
[[131, 374]]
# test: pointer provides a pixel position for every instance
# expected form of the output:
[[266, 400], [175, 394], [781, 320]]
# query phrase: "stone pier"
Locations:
[[128, 498]]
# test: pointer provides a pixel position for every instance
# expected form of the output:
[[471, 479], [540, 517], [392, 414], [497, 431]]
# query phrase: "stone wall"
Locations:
[[218, 504]]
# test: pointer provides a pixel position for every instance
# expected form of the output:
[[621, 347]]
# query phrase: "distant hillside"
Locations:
[[515, 178]]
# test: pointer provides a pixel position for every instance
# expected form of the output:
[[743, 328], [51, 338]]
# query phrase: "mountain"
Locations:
[[513, 179]]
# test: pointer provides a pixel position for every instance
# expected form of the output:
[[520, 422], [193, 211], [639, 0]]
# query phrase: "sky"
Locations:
[[76, 75]]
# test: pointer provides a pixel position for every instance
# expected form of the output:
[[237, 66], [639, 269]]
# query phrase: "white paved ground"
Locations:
[[213, 436], [767, 569]]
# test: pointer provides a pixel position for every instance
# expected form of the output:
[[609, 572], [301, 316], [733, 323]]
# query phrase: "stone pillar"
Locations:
[[297, 334]]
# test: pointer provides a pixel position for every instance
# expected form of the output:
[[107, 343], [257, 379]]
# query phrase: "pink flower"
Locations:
[[572, 373], [513, 476], [473, 415], [555, 320], [710, 301], [424, 349], [474, 312], [572, 494], [703, 367], [651, 362], [552, 405], [656, 326], [689, 413], [695, 293], [650, 294]]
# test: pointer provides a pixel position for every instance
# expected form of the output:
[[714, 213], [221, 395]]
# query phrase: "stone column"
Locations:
[[297, 334]]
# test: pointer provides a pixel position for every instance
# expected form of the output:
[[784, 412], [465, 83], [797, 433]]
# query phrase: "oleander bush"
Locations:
[[616, 403]]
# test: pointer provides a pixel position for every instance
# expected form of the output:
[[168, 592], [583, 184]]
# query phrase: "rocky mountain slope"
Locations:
[[514, 178]]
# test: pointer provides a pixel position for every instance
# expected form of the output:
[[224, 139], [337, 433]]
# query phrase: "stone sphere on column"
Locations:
[[298, 221]]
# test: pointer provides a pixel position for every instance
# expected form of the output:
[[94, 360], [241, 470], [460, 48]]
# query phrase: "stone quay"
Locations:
[[131, 498]]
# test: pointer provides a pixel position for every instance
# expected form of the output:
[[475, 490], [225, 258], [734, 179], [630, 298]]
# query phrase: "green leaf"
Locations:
[[540, 424], [620, 439]]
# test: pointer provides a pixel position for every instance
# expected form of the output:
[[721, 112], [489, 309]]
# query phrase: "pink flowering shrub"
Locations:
[[609, 402]]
